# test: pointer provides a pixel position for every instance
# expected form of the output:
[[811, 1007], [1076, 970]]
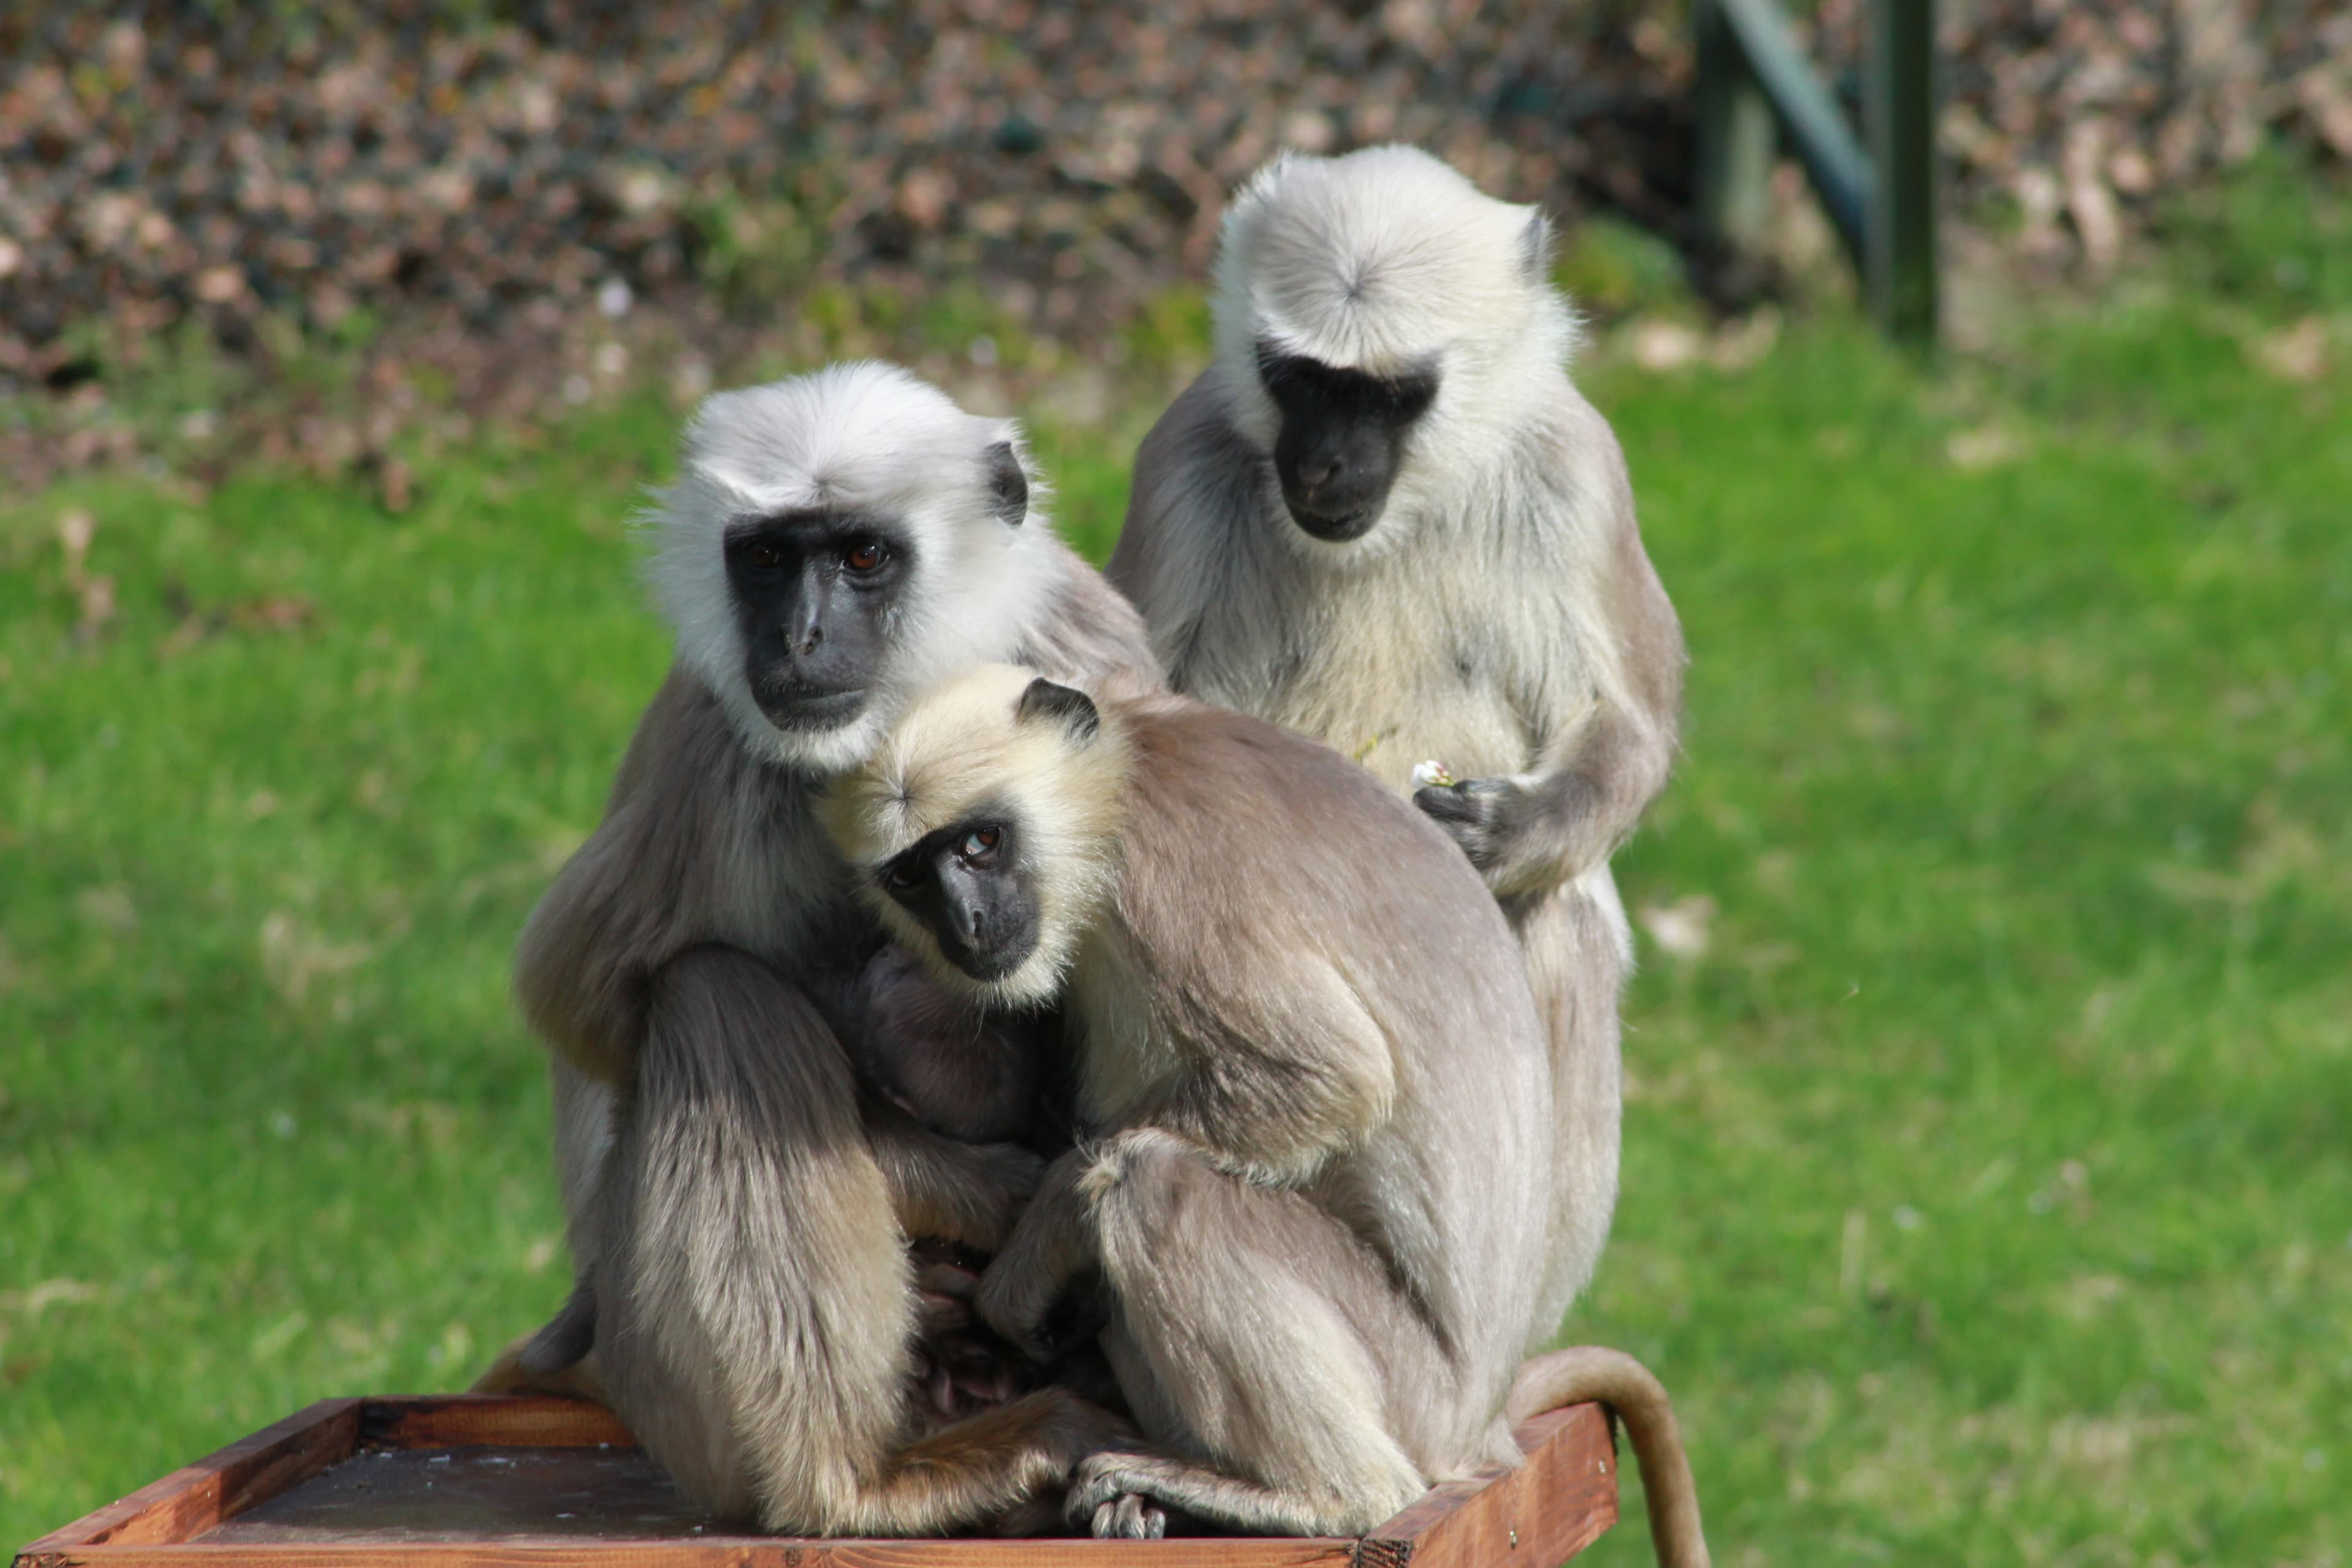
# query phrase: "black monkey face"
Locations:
[[813, 593], [968, 886], [1342, 440]]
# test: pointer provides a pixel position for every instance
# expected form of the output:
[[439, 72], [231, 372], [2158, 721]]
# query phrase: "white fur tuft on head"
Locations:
[[863, 436], [1387, 260], [964, 747]]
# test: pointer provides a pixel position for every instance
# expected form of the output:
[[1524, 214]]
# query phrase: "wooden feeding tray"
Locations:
[[438, 1481]]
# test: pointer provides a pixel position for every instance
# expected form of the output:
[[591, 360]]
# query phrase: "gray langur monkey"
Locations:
[[1308, 1077], [1386, 517], [737, 1207]]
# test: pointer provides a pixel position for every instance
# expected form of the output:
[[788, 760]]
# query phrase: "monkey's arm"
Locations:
[[573, 974], [1286, 1068], [1591, 780], [1052, 1244], [1193, 471], [612, 915], [945, 1190]]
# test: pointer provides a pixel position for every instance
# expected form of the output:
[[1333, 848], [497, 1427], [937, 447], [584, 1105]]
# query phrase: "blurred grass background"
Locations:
[[1987, 1192]]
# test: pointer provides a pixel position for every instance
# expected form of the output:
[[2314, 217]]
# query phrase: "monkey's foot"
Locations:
[[1131, 1516], [1125, 1495]]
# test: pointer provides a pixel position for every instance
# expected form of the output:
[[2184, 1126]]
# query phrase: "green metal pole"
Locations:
[[1899, 260]]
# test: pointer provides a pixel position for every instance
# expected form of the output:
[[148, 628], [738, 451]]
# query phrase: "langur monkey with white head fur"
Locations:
[[1308, 1078], [1384, 516], [738, 1206]]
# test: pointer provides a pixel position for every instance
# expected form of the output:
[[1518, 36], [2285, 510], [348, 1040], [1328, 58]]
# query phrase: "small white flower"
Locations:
[[1425, 774]]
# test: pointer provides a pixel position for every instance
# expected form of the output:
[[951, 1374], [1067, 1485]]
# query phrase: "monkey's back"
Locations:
[[1257, 860]]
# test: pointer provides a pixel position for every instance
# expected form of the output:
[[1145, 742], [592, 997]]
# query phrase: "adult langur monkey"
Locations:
[[737, 1210], [1307, 1070], [1384, 516]]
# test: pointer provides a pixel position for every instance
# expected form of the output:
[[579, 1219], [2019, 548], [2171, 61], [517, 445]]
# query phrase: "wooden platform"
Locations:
[[468, 1480]]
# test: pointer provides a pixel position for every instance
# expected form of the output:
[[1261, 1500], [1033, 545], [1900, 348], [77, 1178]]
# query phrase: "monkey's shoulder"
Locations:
[[1089, 632], [702, 842], [1244, 834]]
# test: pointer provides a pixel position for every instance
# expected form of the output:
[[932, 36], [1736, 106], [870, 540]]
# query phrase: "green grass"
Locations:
[[1988, 1175]]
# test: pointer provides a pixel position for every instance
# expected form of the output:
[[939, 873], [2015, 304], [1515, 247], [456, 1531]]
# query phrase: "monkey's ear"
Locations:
[[1534, 247], [1073, 710], [1008, 487]]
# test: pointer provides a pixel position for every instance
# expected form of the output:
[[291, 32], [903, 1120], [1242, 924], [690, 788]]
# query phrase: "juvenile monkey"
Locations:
[[1307, 1070], [975, 1075], [1385, 517], [738, 1206], [978, 1076]]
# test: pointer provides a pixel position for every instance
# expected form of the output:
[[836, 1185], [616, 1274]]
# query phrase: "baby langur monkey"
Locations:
[[971, 1075], [1307, 1070], [982, 1076]]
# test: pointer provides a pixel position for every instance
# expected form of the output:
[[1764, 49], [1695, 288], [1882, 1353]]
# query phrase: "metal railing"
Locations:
[[1756, 90]]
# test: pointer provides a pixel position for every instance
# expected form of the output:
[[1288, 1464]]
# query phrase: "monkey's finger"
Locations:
[[1130, 1517], [939, 1314], [1139, 1519], [1446, 802], [985, 1389], [947, 1279]]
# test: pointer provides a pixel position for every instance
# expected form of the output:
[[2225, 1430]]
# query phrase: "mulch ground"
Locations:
[[469, 178]]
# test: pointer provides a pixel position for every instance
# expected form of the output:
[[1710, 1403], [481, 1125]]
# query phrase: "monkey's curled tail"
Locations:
[[1625, 1385]]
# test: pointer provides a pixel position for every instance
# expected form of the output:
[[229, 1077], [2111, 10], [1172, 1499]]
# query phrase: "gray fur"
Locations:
[[1501, 617], [739, 1204], [1316, 1110]]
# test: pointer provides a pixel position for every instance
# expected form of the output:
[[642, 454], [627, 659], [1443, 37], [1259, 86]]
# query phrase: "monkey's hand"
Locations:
[[1004, 1177], [1051, 1244], [1483, 816], [967, 1193]]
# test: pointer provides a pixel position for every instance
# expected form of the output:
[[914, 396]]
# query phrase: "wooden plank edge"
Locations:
[[733, 1552], [1568, 1445], [220, 1485], [1560, 1500], [489, 1420]]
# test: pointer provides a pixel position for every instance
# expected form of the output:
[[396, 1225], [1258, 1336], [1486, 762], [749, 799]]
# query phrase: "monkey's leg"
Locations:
[[985, 1468], [1577, 952], [756, 1309], [1274, 1337]]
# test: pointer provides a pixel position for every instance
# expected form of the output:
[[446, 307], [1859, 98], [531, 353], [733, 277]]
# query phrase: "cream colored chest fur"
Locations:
[[1393, 663]]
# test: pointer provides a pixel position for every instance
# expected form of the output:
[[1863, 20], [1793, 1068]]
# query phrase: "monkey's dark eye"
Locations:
[[866, 555], [905, 874], [766, 557], [980, 842]]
